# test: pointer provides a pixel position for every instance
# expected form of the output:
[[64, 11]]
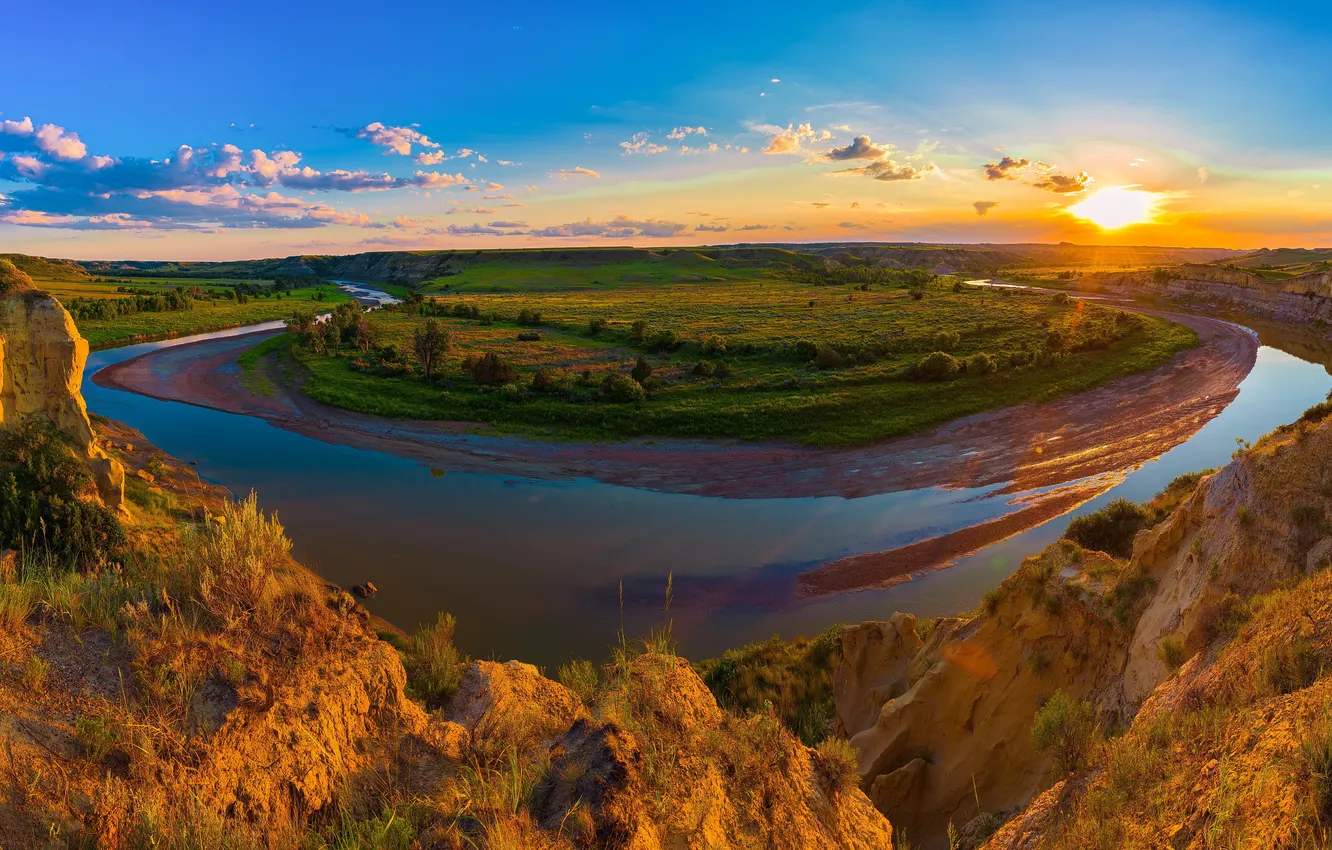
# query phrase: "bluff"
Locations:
[[1304, 299], [941, 714], [42, 357]]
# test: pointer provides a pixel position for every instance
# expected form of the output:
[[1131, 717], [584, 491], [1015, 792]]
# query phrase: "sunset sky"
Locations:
[[145, 130]]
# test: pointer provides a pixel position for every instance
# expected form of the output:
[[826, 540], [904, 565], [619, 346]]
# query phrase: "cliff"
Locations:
[[942, 717], [42, 357], [1304, 299]]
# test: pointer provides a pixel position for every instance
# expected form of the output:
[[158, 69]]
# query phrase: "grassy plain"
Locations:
[[207, 314], [770, 332]]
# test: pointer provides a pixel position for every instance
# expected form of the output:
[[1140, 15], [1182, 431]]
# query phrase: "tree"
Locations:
[[430, 342], [642, 370]]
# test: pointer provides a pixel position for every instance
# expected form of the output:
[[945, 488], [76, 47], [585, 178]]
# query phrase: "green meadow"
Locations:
[[751, 354]]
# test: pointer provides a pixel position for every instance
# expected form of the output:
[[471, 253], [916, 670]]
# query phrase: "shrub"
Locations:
[[1289, 667], [916, 294], [637, 331], [1065, 730], [1171, 652], [714, 345], [829, 358], [836, 764], [721, 370], [703, 369], [981, 364], [1040, 662], [946, 340], [529, 336], [1060, 298], [96, 736], [490, 368], [35, 673], [236, 559], [939, 366], [1055, 340], [433, 664], [663, 341], [805, 350], [1111, 529], [545, 380], [531, 318], [624, 389], [1245, 516], [43, 488], [596, 326], [580, 677], [642, 370]]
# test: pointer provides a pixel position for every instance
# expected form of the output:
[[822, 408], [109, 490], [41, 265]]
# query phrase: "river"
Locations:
[[545, 571]]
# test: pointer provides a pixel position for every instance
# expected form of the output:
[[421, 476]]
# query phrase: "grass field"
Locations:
[[207, 314], [772, 334]]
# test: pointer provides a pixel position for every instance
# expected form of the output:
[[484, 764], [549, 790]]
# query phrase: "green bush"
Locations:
[[939, 366], [1111, 529], [490, 368], [703, 369], [829, 358], [624, 389], [713, 346], [981, 364], [836, 763], [597, 325], [45, 499], [1171, 652], [580, 677], [947, 340], [1065, 730], [531, 318], [434, 666]]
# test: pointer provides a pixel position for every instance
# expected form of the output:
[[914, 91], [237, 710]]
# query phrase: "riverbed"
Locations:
[[546, 570]]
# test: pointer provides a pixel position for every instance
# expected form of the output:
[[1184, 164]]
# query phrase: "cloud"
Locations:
[[1007, 168], [1203, 174], [853, 225], [712, 228], [508, 224], [432, 158], [686, 150], [642, 144], [506, 162], [681, 132], [477, 230], [1062, 184], [51, 139], [860, 148], [755, 227], [819, 204], [395, 140], [578, 171], [505, 197], [983, 207], [494, 187], [470, 211], [620, 227], [785, 141], [890, 170]]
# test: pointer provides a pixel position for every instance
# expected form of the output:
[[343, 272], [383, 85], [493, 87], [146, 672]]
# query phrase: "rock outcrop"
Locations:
[[42, 357]]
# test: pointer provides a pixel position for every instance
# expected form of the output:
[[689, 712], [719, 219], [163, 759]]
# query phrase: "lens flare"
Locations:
[[1118, 206]]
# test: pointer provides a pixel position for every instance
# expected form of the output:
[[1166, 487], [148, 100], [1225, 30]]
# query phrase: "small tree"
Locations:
[[430, 342], [638, 331], [1064, 730], [642, 370]]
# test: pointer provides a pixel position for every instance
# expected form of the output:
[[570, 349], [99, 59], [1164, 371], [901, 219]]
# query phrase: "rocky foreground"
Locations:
[[195, 687]]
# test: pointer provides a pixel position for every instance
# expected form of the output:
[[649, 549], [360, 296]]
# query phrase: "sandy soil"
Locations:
[[1090, 438]]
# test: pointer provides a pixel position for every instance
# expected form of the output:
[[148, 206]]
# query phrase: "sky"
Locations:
[[153, 130]]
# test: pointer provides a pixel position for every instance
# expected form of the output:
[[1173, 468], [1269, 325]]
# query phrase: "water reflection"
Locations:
[[535, 569]]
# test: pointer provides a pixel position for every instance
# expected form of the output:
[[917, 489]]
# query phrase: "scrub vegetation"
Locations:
[[832, 357]]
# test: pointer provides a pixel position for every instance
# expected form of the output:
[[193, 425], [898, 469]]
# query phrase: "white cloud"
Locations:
[[398, 140], [578, 171]]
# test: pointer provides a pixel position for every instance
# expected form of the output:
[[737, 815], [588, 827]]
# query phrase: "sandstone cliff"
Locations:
[[1299, 300], [42, 357]]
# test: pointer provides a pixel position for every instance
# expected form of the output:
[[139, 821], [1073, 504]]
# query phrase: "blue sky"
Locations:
[[1218, 108]]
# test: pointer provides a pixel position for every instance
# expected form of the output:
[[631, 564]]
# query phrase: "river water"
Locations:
[[545, 571]]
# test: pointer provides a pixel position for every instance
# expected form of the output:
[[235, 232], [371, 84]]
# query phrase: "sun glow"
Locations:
[[1117, 206]]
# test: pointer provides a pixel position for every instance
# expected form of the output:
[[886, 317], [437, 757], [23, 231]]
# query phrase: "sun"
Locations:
[[1117, 206]]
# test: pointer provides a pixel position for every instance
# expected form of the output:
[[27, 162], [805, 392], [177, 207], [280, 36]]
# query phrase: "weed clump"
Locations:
[[939, 366]]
